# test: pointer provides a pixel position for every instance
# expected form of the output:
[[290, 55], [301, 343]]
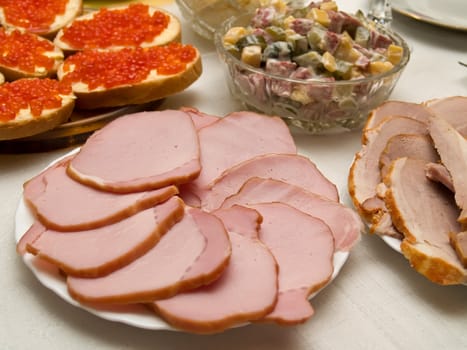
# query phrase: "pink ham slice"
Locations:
[[452, 109], [246, 291], [344, 223], [139, 152], [193, 252], [303, 247], [62, 204], [236, 138], [100, 251], [200, 119], [426, 213], [291, 168]]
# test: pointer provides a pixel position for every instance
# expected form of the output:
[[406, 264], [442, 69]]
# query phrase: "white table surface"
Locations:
[[377, 302]]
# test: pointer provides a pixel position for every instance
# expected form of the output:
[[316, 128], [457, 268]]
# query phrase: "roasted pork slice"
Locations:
[[344, 222], [425, 212], [365, 175], [100, 251], [138, 152], [396, 108], [459, 243], [246, 291], [291, 168], [452, 109], [303, 247], [407, 145], [192, 253], [63, 204], [452, 148], [438, 172]]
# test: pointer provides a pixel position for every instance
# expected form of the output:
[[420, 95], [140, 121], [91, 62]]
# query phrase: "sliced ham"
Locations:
[[63, 204], [452, 148], [200, 119], [236, 138], [407, 145], [100, 251], [291, 168], [193, 252], [365, 175], [139, 152], [303, 247], [246, 291], [344, 223], [438, 172], [453, 110], [425, 212], [396, 108], [459, 243]]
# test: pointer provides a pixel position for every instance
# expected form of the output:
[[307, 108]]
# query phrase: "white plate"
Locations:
[[133, 315], [447, 13]]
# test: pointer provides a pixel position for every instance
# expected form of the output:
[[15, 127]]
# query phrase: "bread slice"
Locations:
[[40, 20], [27, 55], [42, 112], [130, 75], [120, 26]]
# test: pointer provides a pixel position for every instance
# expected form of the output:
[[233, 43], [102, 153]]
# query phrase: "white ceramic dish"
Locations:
[[133, 315], [448, 13]]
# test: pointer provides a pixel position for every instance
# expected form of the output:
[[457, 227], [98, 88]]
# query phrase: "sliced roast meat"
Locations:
[[100, 251], [193, 252], [246, 291], [459, 243], [452, 148], [425, 212], [365, 175], [139, 152], [453, 110], [407, 145], [396, 108], [344, 223], [303, 247], [291, 168], [63, 204], [236, 138], [438, 172], [200, 119]]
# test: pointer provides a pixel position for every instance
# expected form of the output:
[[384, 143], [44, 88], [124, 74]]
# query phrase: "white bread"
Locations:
[[153, 87], [73, 9], [169, 34], [25, 124], [12, 72]]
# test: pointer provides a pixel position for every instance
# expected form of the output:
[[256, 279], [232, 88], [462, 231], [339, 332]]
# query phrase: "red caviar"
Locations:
[[36, 94], [126, 66], [130, 26], [33, 15], [24, 51]]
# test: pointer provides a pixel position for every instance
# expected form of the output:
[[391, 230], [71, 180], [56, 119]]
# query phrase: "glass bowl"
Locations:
[[324, 107]]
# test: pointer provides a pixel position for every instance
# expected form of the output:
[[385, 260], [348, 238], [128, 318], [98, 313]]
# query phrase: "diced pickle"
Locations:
[[316, 38], [298, 43], [251, 40], [276, 33], [310, 59], [362, 35], [280, 50], [343, 69]]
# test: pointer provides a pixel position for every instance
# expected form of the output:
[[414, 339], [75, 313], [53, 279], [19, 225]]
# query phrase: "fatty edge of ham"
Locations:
[[100, 251], [246, 291], [140, 151], [345, 224], [166, 269], [63, 204]]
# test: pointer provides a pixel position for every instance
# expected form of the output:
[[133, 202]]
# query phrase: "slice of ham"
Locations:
[[291, 168], [236, 138], [200, 119], [408, 145], [63, 204], [246, 291], [452, 148], [425, 212], [365, 175], [303, 247], [397, 108], [344, 223], [459, 243], [438, 172], [98, 252], [193, 252], [452, 109], [139, 152]]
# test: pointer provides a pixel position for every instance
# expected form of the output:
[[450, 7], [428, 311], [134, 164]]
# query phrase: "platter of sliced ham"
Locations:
[[408, 184], [184, 221]]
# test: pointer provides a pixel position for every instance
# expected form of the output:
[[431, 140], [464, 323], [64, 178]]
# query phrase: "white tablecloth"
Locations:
[[377, 301]]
